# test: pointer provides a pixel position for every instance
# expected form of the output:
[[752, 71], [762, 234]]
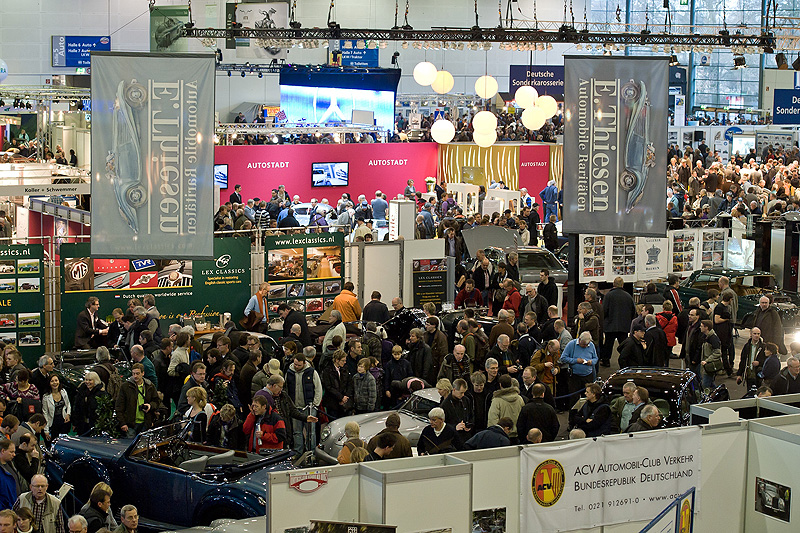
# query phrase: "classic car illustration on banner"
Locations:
[[639, 155]]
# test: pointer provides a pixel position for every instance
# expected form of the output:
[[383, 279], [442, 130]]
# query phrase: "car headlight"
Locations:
[[323, 436]]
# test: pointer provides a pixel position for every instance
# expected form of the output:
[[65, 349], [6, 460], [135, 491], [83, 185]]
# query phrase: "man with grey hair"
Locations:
[[657, 350], [40, 377], [149, 303], [104, 367], [564, 336], [492, 382], [438, 437], [505, 358], [336, 329], [650, 419], [146, 322], [504, 326], [137, 355], [77, 524], [581, 356], [788, 381], [129, 518], [48, 516], [623, 407], [534, 436], [576, 434], [284, 405]]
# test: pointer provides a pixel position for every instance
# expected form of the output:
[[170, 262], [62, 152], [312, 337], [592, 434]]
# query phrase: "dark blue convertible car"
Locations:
[[172, 483]]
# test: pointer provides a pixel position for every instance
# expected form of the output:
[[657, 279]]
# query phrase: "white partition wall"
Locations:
[[508, 199], [336, 500], [466, 196], [489, 466], [382, 270], [772, 462], [418, 496]]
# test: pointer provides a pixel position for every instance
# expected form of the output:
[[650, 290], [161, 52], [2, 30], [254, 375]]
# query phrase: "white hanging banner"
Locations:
[[612, 480], [653, 258]]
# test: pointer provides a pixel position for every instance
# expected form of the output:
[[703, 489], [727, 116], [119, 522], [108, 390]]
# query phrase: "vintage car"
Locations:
[[413, 418], [123, 163], [6, 322], [6, 287], [34, 267], [6, 269], [30, 339], [672, 390], [174, 483], [639, 155], [28, 287], [28, 322], [749, 286], [73, 366]]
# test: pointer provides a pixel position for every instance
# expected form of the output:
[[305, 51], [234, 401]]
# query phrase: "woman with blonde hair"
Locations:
[[85, 413], [199, 412]]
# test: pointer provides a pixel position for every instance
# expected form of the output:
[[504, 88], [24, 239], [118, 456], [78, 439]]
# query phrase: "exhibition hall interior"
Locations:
[[399, 266]]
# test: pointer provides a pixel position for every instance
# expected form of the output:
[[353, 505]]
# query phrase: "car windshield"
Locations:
[[538, 260], [149, 440], [419, 405]]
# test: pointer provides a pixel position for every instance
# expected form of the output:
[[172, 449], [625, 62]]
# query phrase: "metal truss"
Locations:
[[482, 37], [44, 93], [291, 129]]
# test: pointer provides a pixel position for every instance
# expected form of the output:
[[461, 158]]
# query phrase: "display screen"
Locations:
[[330, 174], [221, 176], [327, 105], [742, 144]]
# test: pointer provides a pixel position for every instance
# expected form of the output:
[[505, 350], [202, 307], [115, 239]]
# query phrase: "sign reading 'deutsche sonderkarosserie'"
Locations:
[[614, 137], [152, 155]]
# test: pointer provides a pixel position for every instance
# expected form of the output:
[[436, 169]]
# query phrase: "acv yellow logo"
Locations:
[[547, 483], [686, 517]]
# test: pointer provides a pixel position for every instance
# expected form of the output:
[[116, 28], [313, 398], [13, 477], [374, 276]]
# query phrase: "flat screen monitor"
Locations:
[[221, 176], [742, 144], [330, 174], [328, 105]]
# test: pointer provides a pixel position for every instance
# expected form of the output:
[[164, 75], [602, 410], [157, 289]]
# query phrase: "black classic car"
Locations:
[[672, 390]]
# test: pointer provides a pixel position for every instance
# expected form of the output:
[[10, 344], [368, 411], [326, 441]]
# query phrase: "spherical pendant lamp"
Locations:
[[425, 73], [548, 105], [485, 140], [486, 87], [525, 96], [484, 122], [443, 83], [534, 118], [443, 131]]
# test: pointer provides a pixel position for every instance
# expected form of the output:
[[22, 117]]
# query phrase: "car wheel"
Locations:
[[630, 91], [135, 94], [627, 180], [135, 195]]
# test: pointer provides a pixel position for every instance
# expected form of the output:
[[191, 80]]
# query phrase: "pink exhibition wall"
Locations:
[[261, 168]]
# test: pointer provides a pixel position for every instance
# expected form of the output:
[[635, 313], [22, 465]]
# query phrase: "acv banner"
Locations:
[[181, 287], [152, 155], [611, 480], [615, 140]]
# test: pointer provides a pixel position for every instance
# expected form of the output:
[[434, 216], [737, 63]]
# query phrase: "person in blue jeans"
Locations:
[[549, 196]]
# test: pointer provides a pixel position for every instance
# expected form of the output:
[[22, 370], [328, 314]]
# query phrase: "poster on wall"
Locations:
[[684, 247], [616, 117], [166, 27], [712, 248], [623, 257], [773, 499], [305, 271], [653, 258], [593, 258], [430, 281], [152, 151], [740, 254], [22, 299], [489, 520], [609, 481], [258, 17], [181, 287]]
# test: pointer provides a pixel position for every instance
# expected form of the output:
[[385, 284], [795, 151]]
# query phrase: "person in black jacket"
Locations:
[[751, 359], [594, 417], [291, 317], [225, 429], [420, 357], [538, 414], [632, 349], [337, 401], [459, 411], [657, 350], [375, 311], [692, 348], [438, 437], [618, 313], [493, 437], [96, 514], [547, 288]]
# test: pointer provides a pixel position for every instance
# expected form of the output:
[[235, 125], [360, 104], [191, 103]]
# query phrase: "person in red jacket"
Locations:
[[264, 427], [669, 323], [513, 297]]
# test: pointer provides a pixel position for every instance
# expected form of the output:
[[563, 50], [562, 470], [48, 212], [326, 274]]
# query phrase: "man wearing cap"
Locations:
[[402, 448], [361, 228]]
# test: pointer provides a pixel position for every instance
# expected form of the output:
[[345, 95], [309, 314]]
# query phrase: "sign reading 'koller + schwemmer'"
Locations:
[[615, 141], [152, 155]]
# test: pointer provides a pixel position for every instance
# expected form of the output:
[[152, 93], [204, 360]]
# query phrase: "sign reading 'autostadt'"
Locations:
[[614, 157], [152, 155]]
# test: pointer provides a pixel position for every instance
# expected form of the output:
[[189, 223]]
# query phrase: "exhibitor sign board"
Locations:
[[786, 106], [22, 299], [615, 164], [430, 281], [72, 51], [610, 480], [181, 287], [352, 56], [305, 271], [546, 79], [152, 155]]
